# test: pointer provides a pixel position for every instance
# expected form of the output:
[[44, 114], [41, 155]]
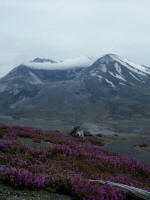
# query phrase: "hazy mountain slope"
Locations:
[[111, 92]]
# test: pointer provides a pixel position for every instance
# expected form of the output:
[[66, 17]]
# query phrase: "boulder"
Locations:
[[79, 132]]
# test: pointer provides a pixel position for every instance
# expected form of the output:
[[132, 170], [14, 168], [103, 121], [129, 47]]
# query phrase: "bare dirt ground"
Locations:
[[130, 146], [9, 193]]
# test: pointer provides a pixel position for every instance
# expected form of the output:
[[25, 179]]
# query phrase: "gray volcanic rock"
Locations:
[[42, 60]]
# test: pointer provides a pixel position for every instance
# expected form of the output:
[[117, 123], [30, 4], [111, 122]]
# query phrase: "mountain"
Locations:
[[111, 94], [43, 60]]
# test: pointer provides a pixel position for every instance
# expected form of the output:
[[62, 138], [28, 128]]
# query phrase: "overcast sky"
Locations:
[[60, 29]]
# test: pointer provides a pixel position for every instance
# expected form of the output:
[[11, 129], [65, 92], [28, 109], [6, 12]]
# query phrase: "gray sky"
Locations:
[[60, 29]]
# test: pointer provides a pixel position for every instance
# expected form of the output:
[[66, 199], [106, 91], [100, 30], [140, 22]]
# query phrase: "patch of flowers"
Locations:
[[66, 164]]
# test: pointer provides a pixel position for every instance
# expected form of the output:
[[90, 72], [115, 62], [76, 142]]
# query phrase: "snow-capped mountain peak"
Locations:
[[139, 69], [115, 71], [117, 62]]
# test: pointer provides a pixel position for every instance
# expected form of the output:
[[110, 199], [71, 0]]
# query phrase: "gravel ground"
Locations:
[[9, 193], [127, 147]]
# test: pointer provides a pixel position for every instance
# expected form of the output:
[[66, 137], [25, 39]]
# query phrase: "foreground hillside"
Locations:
[[31, 158]]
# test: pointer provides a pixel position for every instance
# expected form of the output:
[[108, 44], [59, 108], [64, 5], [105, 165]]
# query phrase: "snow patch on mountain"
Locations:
[[140, 69], [134, 76], [118, 76], [118, 68], [99, 77], [103, 68], [35, 79], [122, 83], [109, 82]]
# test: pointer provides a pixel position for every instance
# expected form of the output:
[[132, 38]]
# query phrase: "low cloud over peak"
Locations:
[[81, 61]]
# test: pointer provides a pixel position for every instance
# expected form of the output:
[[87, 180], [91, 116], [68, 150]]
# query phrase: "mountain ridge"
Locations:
[[108, 92]]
